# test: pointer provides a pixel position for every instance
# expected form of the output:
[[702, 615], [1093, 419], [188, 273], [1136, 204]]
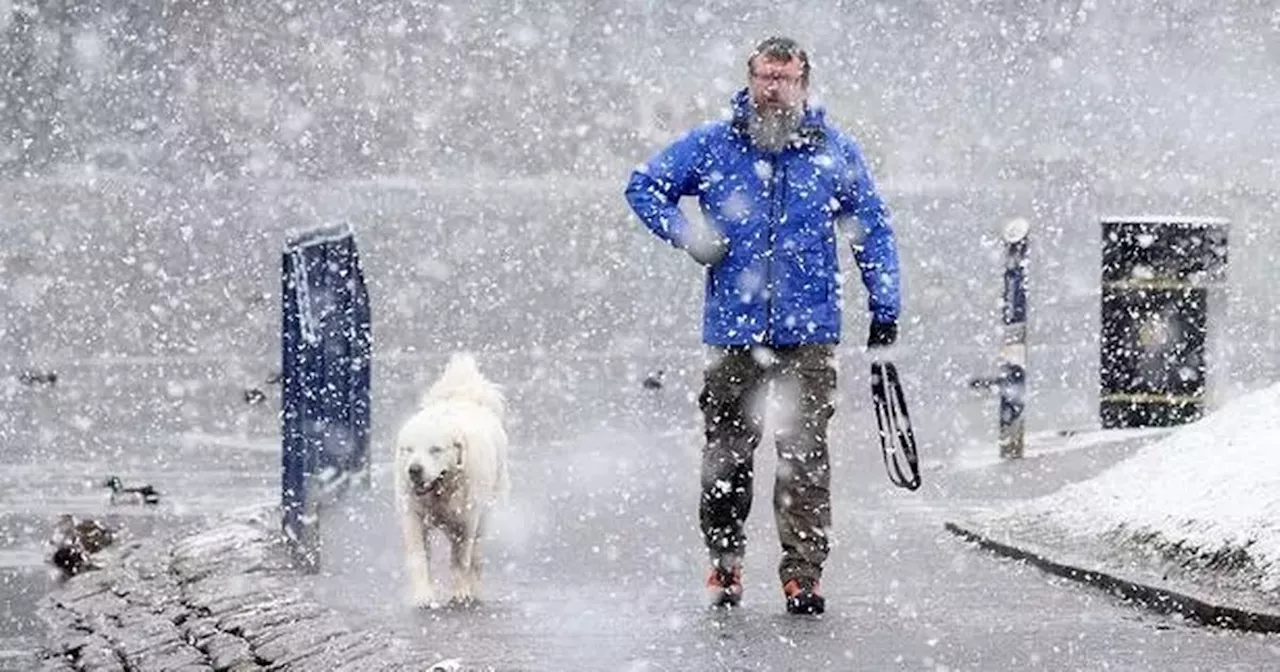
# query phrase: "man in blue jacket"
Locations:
[[777, 184]]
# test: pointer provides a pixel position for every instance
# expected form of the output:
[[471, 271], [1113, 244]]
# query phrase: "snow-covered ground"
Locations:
[[1209, 490]]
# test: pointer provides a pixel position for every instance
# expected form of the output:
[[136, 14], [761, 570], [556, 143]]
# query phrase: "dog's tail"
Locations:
[[462, 380]]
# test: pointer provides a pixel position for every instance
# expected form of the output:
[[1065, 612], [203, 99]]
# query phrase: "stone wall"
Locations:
[[223, 598]]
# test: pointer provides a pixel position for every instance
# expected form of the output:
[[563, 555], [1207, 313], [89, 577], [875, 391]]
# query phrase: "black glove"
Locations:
[[882, 334]]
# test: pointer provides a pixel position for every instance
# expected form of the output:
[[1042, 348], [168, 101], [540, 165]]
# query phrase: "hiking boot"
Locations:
[[725, 586], [803, 596]]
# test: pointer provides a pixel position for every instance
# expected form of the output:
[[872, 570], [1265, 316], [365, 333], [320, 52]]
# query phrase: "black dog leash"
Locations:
[[897, 441]]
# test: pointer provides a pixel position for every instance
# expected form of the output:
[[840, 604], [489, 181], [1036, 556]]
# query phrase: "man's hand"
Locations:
[[705, 243], [882, 334], [708, 251]]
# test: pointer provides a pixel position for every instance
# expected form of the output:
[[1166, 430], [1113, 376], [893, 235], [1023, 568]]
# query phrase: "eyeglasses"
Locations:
[[779, 80]]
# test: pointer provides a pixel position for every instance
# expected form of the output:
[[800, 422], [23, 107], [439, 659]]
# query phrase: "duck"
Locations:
[[254, 396], [145, 493], [75, 541], [653, 381], [71, 560], [32, 377]]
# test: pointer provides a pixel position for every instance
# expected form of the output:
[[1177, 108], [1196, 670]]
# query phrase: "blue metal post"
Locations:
[[326, 349], [1013, 349]]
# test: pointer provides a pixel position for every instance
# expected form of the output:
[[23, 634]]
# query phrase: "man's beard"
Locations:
[[773, 129]]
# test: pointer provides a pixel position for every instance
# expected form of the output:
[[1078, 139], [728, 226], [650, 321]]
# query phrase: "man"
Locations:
[[774, 182]]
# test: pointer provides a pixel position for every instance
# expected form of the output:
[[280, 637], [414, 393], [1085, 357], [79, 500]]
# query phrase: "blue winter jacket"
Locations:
[[779, 283]]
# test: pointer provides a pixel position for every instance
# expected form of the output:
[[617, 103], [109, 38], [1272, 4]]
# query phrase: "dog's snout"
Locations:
[[415, 472]]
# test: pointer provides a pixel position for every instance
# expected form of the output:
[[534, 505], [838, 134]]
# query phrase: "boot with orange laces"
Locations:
[[803, 596], [725, 586]]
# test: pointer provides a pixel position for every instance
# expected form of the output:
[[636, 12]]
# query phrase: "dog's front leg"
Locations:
[[417, 557], [466, 563]]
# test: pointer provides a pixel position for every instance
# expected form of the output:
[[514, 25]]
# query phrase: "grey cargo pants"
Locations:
[[732, 403]]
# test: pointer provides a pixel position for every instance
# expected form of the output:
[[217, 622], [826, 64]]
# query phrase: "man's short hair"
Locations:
[[778, 48]]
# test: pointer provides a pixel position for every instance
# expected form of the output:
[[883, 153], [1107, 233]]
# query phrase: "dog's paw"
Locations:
[[462, 595], [463, 599], [425, 599]]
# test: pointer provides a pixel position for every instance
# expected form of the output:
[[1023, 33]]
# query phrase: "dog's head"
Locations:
[[429, 454]]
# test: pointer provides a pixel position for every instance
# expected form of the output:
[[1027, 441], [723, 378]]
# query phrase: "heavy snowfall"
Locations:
[[154, 157]]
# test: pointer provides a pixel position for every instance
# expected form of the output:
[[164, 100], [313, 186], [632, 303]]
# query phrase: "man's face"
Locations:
[[776, 85]]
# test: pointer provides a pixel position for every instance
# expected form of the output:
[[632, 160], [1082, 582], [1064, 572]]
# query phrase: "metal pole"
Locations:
[[1013, 348], [326, 344]]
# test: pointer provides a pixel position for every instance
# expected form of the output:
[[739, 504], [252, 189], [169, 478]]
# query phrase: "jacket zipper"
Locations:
[[777, 174]]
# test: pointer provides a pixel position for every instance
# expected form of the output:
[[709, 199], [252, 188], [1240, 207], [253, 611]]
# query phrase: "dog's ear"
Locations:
[[460, 445]]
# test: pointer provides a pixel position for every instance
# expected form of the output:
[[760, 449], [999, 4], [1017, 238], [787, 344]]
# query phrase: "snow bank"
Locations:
[[1208, 492]]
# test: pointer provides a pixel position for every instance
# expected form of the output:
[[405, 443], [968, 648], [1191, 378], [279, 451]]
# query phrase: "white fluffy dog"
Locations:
[[450, 469]]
